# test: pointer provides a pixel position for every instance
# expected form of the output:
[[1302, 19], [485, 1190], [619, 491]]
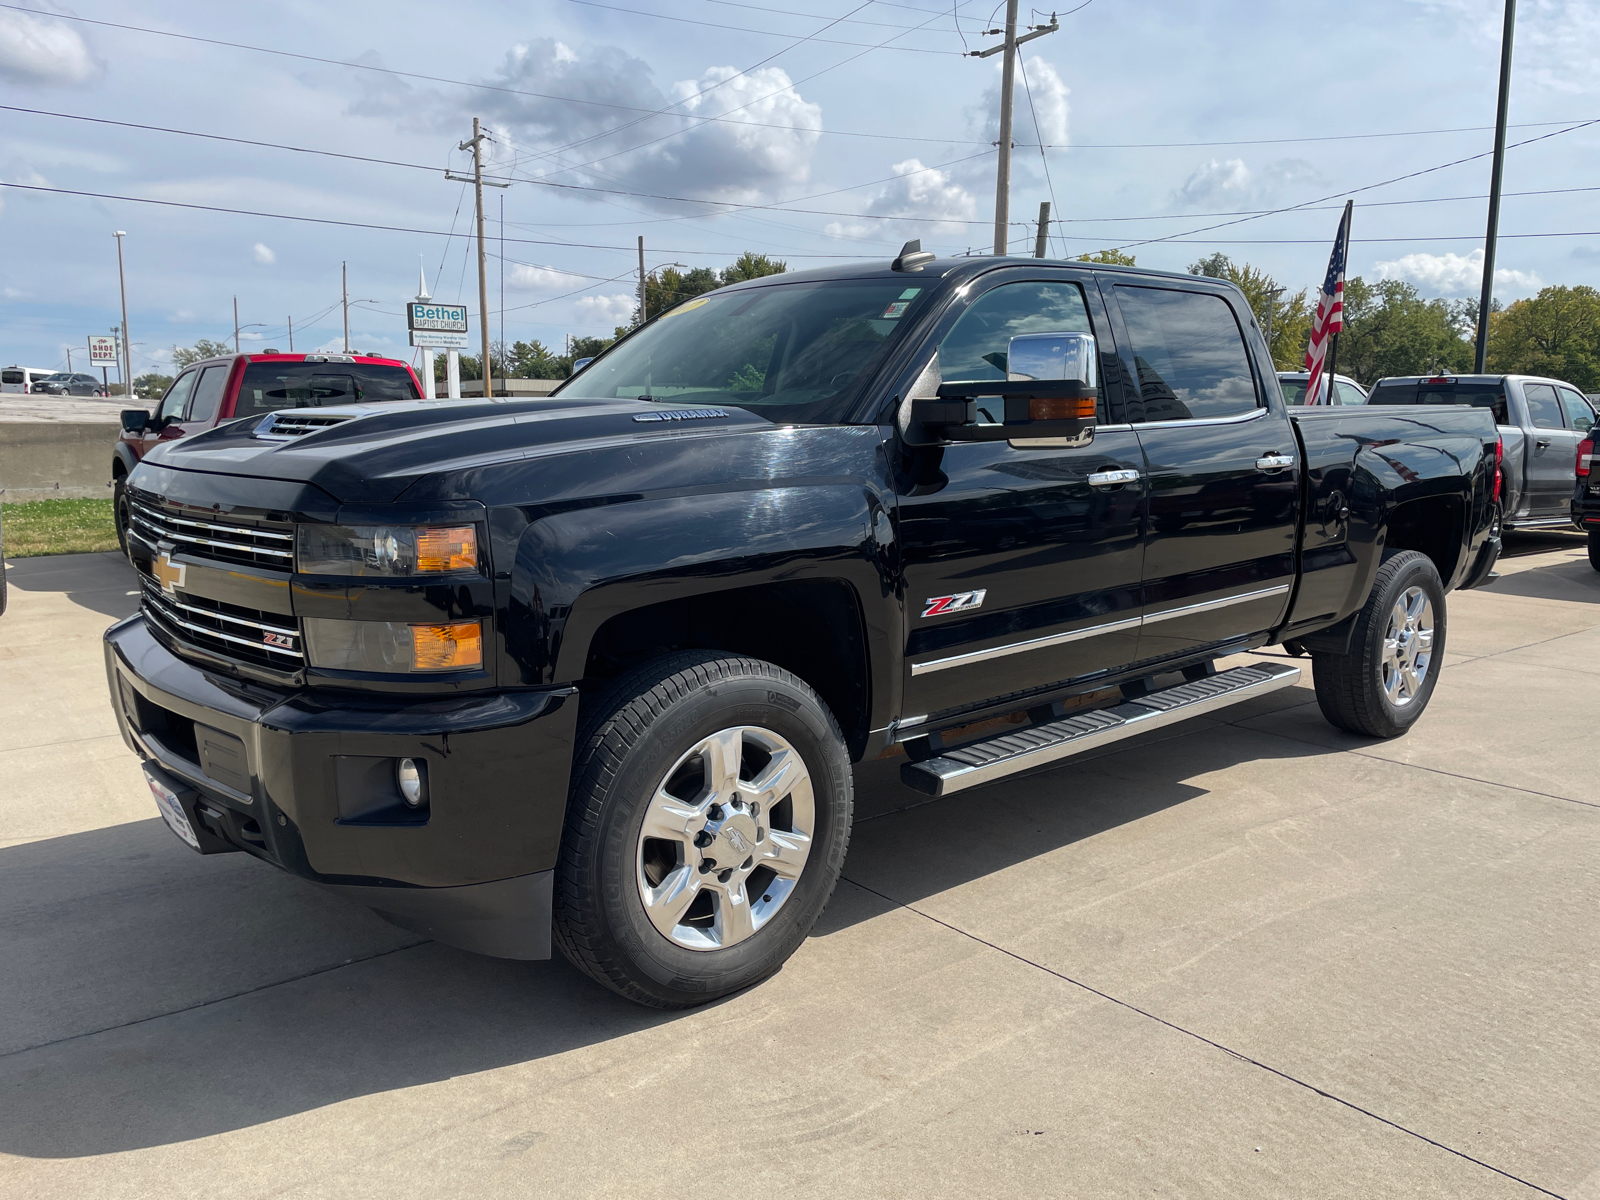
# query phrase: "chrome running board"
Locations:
[[1038, 745]]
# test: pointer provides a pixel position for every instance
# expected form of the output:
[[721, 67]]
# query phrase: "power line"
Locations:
[[1329, 137], [639, 12], [1364, 188], [487, 87], [789, 12]]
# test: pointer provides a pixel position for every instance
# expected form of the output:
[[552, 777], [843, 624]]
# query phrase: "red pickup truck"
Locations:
[[215, 390]]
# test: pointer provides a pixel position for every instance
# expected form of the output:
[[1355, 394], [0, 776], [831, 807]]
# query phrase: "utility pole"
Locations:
[[236, 327], [642, 313], [69, 360], [344, 299], [1272, 307], [477, 181], [125, 362], [1486, 297], [291, 335], [1039, 248], [1008, 79]]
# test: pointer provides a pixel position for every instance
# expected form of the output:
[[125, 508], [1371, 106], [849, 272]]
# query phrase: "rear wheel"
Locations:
[[708, 821], [1381, 687]]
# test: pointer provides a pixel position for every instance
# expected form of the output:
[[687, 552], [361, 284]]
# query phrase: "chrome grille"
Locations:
[[225, 541], [241, 634]]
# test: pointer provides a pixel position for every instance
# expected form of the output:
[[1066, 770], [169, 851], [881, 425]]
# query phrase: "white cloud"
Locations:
[[183, 314], [11, 292], [264, 254], [1229, 183], [1557, 41], [762, 144], [609, 311], [526, 277], [38, 49], [925, 192], [250, 336], [849, 231], [1452, 274]]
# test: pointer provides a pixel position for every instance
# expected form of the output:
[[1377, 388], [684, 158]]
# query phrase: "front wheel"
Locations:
[[1381, 687], [119, 510], [707, 825]]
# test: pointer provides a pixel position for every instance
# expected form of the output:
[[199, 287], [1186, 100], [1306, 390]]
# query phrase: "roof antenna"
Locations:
[[912, 257]]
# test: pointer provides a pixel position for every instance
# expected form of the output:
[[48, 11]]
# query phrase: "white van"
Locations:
[[20, 379]]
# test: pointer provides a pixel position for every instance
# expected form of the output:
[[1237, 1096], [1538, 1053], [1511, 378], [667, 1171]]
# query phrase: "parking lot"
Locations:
[[1252, 957]]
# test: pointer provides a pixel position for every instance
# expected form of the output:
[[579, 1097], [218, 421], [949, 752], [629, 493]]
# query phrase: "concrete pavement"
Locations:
[[1251, 957]]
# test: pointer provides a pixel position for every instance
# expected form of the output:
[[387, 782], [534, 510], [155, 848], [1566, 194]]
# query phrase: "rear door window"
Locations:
[[1579, 413], [208, 393], [1544, 410], [10, 376], [1189, 353], [1348, 394]]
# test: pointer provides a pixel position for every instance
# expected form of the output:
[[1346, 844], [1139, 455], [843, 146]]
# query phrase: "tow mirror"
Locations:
[[135, 420], [1047, 398]]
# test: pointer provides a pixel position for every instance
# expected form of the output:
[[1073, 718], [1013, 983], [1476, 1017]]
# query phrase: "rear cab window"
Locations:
[[1444, 391], [270, 386], [1189, 354]]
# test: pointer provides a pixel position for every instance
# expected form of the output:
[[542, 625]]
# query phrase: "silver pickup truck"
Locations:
[[1541, 422]]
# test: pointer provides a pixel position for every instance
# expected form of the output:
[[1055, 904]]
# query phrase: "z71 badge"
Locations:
[[960, 602]]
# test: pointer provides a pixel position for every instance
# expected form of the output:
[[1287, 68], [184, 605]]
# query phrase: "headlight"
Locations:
[[387, 549], [391, 646]]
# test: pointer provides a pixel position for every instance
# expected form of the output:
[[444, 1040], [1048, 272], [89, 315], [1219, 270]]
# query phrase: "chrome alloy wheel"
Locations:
[[1407, 647], [725, 838]]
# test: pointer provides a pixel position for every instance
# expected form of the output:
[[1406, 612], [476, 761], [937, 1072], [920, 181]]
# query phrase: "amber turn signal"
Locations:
[[1076, 408], [447, 548], [452, 647]]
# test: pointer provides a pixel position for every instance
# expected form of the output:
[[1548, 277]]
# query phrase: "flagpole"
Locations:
[[1333, 341]]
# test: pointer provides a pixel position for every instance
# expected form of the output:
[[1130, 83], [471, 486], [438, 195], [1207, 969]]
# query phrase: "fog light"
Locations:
[[412, 778]]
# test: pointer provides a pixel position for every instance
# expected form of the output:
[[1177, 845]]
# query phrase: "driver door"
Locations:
[[1021, 563]]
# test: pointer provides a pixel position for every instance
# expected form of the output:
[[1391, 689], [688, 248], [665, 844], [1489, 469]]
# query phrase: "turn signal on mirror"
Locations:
[[1076, 408]]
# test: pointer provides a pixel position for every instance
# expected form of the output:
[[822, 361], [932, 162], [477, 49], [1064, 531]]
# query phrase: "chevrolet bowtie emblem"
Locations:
[[168, 572]]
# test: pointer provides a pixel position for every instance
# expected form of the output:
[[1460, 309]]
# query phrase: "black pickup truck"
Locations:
[[597, 666]]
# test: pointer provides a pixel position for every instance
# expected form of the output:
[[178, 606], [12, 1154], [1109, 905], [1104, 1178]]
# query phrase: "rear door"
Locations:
[[1021, 563], [1552, 452], [1223, 469]]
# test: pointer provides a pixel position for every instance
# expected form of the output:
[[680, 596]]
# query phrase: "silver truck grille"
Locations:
[[224, 541], [263, 639]]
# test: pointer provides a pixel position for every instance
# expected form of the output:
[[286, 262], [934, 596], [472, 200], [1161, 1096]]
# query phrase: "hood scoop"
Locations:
[[296, 423]]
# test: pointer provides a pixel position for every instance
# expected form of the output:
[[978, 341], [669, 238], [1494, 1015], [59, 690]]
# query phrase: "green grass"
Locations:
[[57, 527]]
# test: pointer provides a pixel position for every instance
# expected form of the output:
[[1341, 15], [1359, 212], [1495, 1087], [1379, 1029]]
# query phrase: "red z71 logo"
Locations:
[[285, 640], [938, 606]]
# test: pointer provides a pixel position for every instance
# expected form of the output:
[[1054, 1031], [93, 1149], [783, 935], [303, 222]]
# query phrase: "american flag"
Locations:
[[1330, 309]]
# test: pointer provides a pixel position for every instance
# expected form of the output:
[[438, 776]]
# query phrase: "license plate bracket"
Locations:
[[171, 810]]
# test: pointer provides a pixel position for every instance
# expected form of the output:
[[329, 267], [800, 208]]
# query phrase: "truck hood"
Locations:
[[370, 454]]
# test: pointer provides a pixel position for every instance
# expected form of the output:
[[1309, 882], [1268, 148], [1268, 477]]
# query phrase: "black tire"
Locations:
[[1350, 687], [119, 509], [2, 572], [1594, 549], [637, 732]]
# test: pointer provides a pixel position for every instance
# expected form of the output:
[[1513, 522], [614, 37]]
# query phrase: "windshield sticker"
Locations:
[[896, 310], [910, 293], [683, 308]]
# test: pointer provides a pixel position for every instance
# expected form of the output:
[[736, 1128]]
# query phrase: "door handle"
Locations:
[[1274, 462], [1543, 443], [1112, 478]]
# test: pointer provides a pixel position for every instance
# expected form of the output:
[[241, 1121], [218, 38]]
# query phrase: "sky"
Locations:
[[813, 131]]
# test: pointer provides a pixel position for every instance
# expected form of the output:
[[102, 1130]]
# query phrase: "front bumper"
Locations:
[[303, 780]]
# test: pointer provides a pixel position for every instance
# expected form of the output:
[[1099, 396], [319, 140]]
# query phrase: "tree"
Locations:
[[1556, 333], [204, 348], [151, 384], [1109, 258], [1391, 330], [671, 287], [1290, 322]]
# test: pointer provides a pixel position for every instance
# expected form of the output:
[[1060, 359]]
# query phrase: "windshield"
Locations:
[[269, 386], [793, 353]]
